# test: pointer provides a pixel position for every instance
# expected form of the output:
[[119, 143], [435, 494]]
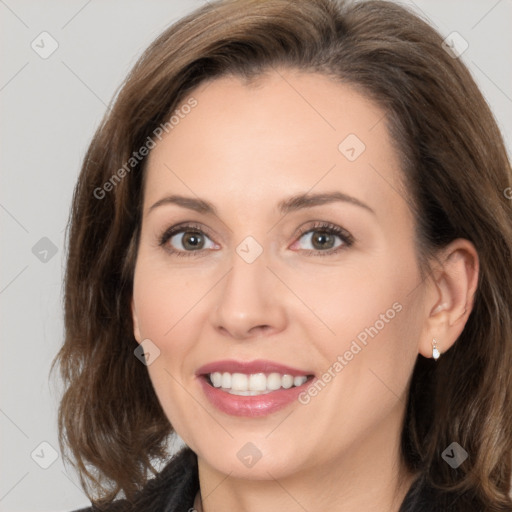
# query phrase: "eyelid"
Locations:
[[345, 235], [185, 226]]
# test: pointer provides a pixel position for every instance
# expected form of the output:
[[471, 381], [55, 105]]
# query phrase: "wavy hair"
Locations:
[[111, 425]]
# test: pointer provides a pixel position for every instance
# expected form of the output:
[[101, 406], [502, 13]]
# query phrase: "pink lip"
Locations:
[[250, 406], [248, 367]]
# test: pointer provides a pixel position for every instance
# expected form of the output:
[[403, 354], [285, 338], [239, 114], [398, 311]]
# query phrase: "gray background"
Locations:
[[49, 111]]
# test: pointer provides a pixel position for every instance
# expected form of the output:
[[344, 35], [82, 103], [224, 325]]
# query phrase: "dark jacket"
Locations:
[[175, 487]]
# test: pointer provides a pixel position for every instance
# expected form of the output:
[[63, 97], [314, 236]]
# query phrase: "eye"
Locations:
[[319, 239], [323, 238], [181, 240]]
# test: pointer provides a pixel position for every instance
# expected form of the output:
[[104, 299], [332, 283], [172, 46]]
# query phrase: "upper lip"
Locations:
[[250, 367]]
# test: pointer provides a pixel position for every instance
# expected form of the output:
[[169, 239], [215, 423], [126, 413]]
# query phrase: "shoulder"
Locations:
[[423, 496], [172, 490], [116, 506]]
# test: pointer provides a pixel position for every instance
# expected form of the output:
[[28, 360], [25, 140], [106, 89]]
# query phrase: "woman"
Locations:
[[290, 244]]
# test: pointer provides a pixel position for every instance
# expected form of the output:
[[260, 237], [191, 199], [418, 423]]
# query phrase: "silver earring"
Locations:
[[435, 350]]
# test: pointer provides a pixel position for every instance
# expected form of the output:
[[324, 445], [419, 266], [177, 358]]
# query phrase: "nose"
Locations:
[[250, 301]]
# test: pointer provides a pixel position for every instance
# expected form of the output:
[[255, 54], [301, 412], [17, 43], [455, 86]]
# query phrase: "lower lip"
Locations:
[[252, 406]]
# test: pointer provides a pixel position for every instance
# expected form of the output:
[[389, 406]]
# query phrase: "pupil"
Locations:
[[192, 240], [322, 240]]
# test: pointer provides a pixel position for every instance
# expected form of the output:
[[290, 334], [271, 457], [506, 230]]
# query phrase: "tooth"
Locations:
[[274, 381], [226, 380], [257, 382], [298, 381], [216, 378], [239, 382], [287, 381]]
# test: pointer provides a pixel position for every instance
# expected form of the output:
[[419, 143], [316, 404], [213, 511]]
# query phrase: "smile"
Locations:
[[252, 389]]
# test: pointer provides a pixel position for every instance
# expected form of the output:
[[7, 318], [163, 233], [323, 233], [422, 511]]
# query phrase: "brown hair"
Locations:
[[456, 169]]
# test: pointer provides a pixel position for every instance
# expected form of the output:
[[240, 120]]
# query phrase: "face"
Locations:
[[277, 250]]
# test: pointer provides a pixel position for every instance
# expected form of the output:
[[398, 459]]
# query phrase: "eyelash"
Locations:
[[325, 227]]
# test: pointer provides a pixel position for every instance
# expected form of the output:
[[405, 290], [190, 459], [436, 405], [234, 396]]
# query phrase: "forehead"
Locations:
[[282, 134]]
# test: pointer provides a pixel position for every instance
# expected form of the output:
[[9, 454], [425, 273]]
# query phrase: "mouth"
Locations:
[[253, 388]]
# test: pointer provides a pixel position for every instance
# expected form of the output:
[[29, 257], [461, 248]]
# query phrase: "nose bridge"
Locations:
[[248, 298], [244, 288]]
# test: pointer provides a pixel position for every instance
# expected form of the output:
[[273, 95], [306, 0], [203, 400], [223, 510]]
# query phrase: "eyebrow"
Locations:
[[309, 200], [286, 206], [191, 203]]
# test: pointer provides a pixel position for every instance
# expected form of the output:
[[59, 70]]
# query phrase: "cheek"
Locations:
[[162, 297], [372, 309], [351, 298], [170, 310], [164, 305]]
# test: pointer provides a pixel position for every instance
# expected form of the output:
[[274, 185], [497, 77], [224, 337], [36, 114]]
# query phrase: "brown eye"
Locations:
[[321, 240], [186, 240], [192, 240]]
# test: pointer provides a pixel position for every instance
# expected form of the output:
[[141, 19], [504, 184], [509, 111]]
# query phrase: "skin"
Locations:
[[245, 148]]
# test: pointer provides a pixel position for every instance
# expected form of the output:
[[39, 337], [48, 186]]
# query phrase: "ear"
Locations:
[[450, 296], [135, 319]]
